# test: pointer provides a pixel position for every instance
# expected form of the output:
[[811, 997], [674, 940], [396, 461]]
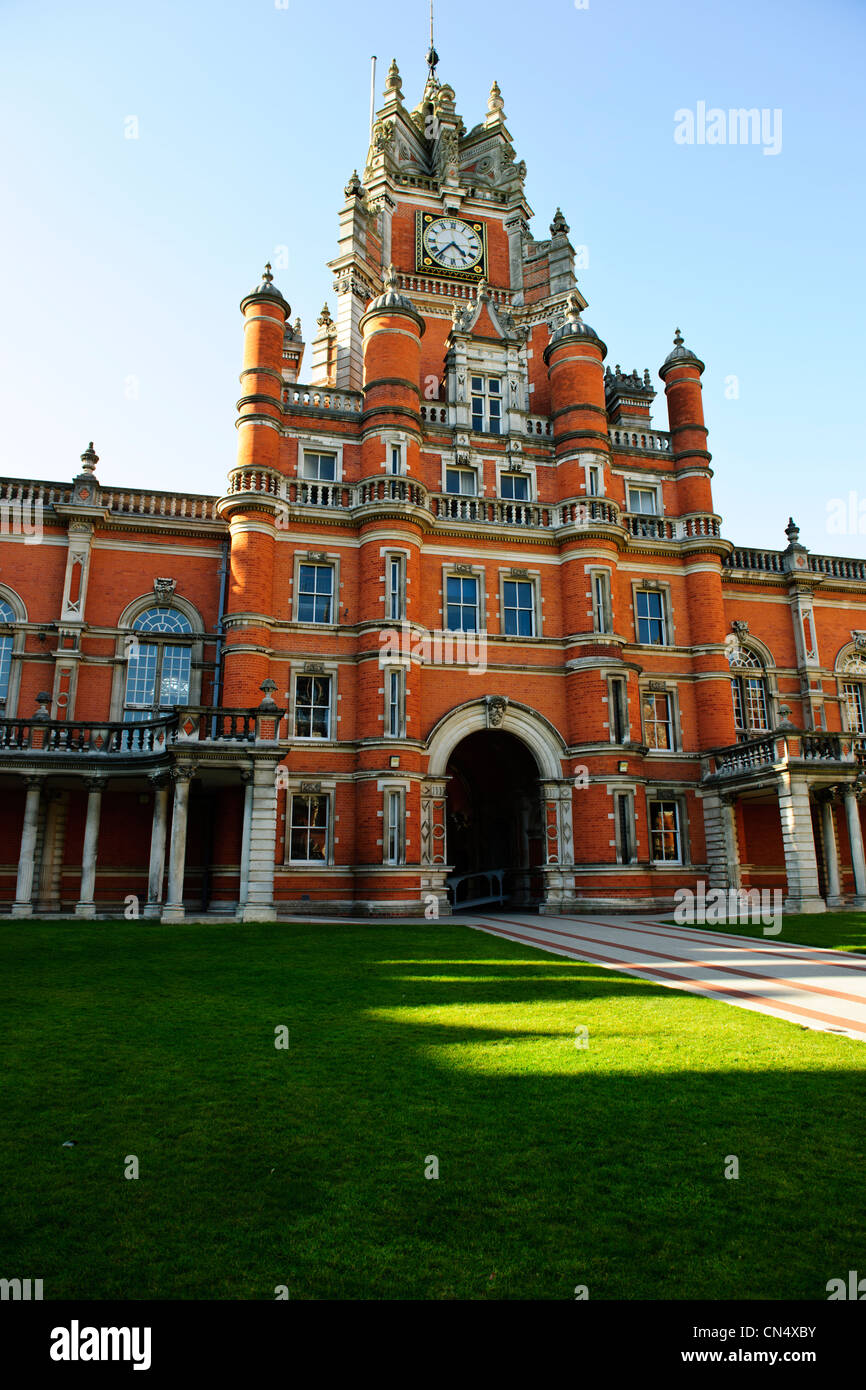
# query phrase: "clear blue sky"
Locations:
[[127, 258]]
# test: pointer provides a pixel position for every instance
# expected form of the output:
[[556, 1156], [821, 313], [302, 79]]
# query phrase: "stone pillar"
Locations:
[[173, 910], [259, 905], [434, 842], [86, 905], [244, 887], [831, 852], [558, 869], [160, 782], [23, 904], [855, 835], [723, 850], [801, 864], [53, 841]]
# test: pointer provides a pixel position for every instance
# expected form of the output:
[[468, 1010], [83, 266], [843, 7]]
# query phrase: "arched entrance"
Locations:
[[494, 817], [495, 789]]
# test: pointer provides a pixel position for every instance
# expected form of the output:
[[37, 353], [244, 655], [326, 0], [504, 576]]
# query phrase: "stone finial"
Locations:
[[89, 459], [296, 329], [268, 277], [324, 320], [647, 379], [678, 338], [495, 104], [483, 290], [43, 705], [559, 226], [267, 688], [393, 82], [354, 188], [389, 277], [792, 531]]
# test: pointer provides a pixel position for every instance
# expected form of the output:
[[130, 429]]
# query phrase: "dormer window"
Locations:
[[486, 404]]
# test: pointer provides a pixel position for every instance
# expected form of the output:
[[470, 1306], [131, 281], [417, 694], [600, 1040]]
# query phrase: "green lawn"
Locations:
[[559, 1165], [839, 931]]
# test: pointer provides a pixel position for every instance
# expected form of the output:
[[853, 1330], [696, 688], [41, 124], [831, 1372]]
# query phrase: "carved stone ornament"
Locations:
[[496, 707], [163, 589], [313, 668], [740, 627], [858, 637], [311, 788]]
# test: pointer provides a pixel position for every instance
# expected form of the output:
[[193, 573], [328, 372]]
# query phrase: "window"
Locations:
[[643, 500], [395, 461], [650, 617], [624, 828], [486, 404], [515, 487], [665, 833], [855, 706], [315, 593], [308, 829], [158, 670], [657, 721], [395, 820], [519, 607], [313, 707], [395, 602], [7, 615], [601, 601], [593, 480], [463, 482], [395, 703], [749, 692], [322, 467], [462, 603], [617, 707]]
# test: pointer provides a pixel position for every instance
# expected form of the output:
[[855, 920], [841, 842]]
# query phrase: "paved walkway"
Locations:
[[824, 990]]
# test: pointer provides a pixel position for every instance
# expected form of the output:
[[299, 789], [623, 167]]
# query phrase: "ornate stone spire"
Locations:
[[89, 459], [393, 83], [354, 188], [559, 226]]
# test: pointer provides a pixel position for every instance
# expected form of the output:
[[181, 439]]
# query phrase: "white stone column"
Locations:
[[23, 904], [244, 886], [259, 905], [720, 831], [173, 910], [801, 863], [86, 905], [855, 835], [831, 852], [159, 827]]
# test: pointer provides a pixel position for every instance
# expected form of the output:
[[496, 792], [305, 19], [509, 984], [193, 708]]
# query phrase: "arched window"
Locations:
[[7, 615], [749, 690], [159, 660], [853, 673]]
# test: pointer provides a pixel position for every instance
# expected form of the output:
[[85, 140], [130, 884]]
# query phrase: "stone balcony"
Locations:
[[103, 744], [845, 753]]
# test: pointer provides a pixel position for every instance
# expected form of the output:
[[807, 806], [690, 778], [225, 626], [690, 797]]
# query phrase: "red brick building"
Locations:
[[462, 610]]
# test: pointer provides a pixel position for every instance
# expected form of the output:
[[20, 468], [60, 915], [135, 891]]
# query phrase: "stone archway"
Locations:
[[539, 798]]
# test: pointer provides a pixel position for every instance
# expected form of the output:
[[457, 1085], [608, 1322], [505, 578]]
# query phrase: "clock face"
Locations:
[[453, 245]]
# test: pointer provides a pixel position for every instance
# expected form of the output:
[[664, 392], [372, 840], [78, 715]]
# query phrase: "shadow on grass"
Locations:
[[558, 1165]]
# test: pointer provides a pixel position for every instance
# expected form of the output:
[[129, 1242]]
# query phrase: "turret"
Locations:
[[681, 373]]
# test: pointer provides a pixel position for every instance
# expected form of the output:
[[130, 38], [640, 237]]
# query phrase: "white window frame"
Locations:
[[672, 721], [448, 572], [395, 676], [620, 683], [642, 587], [327, 794], [319, 444], [394, 825], [602, 609], [641, 485], [486, 396], [463, 468], [329, 674], [533, 580], [666, 798]]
